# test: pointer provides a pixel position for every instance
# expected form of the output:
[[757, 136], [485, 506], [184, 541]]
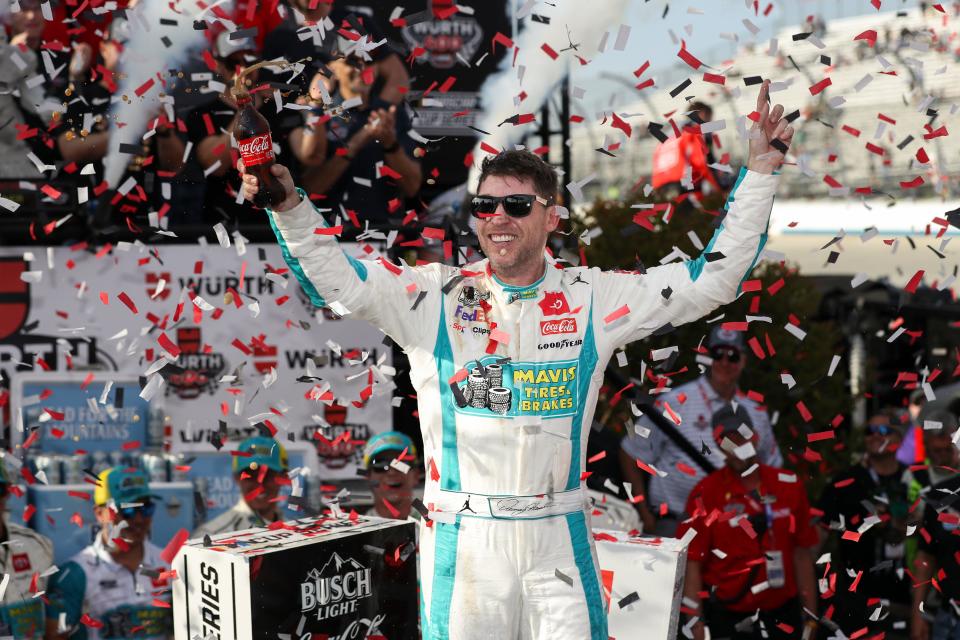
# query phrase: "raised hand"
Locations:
[[251, 186], [770, 135]]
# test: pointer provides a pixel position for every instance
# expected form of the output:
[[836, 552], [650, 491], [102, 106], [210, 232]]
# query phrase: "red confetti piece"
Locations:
[[125, 299], [329, 231], [641, 69], [55, 415], [913, 184], [684, 468], [714, 78], [688, 57], [28, 512], [167, 345], [870, 35], [50, 191], [142, 89], [616, 315], [547, 49], [914, 282], [922, 156], [170, 551], [90, 622], [130, 446], [820, 435], [820, 86], [804, 412]]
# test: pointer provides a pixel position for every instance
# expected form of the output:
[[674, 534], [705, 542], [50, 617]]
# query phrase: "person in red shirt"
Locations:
[[750, 564]]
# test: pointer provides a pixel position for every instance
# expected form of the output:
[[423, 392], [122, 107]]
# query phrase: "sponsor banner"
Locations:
[[496, 387], [252, 354]]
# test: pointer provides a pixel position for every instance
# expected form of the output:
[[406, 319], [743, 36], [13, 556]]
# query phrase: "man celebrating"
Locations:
[[507, 357], [117, 580], [259, 470], [694, 403]]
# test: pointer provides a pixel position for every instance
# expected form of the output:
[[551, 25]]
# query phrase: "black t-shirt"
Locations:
[[941, 537], [351, 190], [857, 494]]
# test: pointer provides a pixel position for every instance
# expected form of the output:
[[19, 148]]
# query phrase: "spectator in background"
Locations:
[[321, 20], [259, 470], [394, 488], [367, 132], [27, 554], [693, 403], [83, 133], [23, 101], [118, 579], [866, 508], [912, 449], [752, 554], [680, 163], [938, 559]]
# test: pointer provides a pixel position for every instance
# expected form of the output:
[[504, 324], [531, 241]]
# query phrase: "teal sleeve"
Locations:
[[66, 592]]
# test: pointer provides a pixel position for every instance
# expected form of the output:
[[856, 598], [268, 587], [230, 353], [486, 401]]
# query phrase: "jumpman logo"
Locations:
[[467, 507], [579, 279]]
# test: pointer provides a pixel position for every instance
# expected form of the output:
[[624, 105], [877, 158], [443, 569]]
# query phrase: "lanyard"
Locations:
[[706, 400]]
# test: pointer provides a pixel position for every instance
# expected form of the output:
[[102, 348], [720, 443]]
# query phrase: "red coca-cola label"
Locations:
[[554, 327], [256, 150]]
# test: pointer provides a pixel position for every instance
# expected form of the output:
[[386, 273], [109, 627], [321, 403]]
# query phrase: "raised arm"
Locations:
[[400, 301], [681, 292]]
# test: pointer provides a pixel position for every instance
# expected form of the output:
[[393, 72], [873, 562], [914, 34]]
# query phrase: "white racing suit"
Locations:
[[507, 380]]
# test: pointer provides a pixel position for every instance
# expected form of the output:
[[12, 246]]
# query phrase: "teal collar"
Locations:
[[509, 288]]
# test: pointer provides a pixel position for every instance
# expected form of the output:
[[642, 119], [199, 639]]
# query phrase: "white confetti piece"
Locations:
[[833, 365]]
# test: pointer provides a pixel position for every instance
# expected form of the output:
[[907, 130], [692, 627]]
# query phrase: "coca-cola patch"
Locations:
[[556, 327], [21, 562], [256, 150]]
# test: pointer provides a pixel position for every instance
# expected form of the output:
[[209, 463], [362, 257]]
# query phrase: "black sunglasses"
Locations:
[[517, 205], [728, 353]]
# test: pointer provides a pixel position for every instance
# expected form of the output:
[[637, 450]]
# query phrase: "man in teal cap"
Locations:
[[393, 481], [259, 469], [118, 580]]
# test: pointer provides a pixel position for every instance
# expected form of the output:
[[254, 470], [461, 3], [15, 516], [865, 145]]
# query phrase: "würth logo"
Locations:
[[556, 327]]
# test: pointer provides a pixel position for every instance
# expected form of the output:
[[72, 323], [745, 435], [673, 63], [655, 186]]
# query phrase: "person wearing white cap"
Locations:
[[693, 403]]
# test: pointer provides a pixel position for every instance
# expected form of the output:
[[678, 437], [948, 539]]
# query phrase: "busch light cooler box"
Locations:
[[321, 577]]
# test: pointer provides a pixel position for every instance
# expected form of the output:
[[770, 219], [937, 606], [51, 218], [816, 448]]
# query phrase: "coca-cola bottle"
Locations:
[[252, 134]]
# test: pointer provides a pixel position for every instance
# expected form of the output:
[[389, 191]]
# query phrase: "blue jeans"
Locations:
[[946, 625]]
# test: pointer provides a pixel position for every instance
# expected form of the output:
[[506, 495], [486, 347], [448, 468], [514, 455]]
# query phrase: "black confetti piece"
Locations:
[[664, 330], [628, 600], [802, 36], [913, 245], [541, 19], [825, 60], [130, 148], [30, 326], [167, 42], [833, 257], [939, 255], [752, 80], [605, 152], [451, 283], [262, 254], [421, 508], [564, 577], [953, 217], [417, 18], [458, 395], [680, 87], [666, 293], [118, 398], [207, 542], [168, 22], [905, 142], [199, 25], [420, 297], [794, 63], [486, 133], [779, 145], [790, 117], [713, 256], [241, 34], [666, 10], [656, 130]]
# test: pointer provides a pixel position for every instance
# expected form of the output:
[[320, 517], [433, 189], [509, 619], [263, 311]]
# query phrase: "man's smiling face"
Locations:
[[514, 243]]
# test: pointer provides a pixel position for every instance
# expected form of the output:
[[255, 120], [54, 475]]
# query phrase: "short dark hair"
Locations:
[[517, 163]]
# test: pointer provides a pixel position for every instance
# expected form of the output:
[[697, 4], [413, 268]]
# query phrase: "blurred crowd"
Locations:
[[338, 118]]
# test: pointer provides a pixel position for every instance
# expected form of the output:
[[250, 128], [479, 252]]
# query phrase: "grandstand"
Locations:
[[854, 134]]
